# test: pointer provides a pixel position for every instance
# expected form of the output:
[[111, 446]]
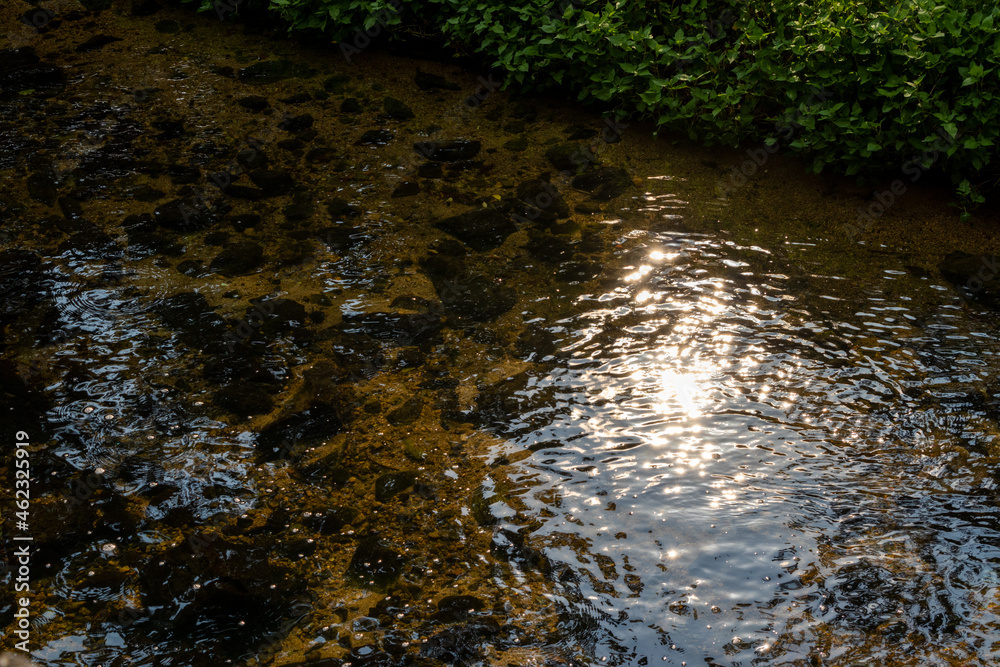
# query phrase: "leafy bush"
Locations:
[[865, 86]]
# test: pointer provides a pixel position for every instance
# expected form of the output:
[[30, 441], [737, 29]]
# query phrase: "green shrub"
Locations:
[[866, 86]]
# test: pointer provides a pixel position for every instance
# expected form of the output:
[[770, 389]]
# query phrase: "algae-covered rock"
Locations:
[[375, 564], [392, 484], [604, 182]]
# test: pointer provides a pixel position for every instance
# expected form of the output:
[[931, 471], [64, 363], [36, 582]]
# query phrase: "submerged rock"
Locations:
[[375, 138], [407, 413], [183, 215], [270, 71], [448, 151], [305, 428], [976, 277], [96, 42], [481, 229], [244, 400], [397, 109], [273, 183], [570, 157], [295, 124], [392, 484], [430, 82], [238, 259], [544, 201], [255, 103], [604, 182], [375, 564]]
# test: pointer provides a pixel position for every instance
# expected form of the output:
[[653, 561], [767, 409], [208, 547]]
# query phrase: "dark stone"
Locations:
[[340, 209], [375, 138], [23, 283], [456, 608], [280, 316], [534, 344], [427, 81], [96, 42], [514, 127], [270, 71], [252, 159], [604, 182], [430, 170], [350, 105], [974, 276], [42, 186], [224, 71], [294, 124], [340, 236], [303, 429], [481, 229], [321, 154], [168, 26], [580, 133], [407, 413], [336, 83], [183, 174], [399, 328], [244, 192], [182, 215], [406, 189], [244, 400], [570, 157], [524, 112], [331, 521], [191, 267], [291, 144], [255, 103], [145, 193], [392, 484], [216, 238], [473, 296], [460, 644], [544, 201], [297, 98], [238, 259], [374, 563], [169, 129], [448, 151], [196, 322], [21, 69], [273, 183], [397, 109], [247, 221]]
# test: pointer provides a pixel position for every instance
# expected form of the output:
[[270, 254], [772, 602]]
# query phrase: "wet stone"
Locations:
[[604, 183], [431, 82], [481, 229], [430, 170], [291, 144], [544, 201], [295, 124], [96, 42], [517, 145], [297, 98], [350, 105], [238, 259], [303, 429], [373, 562], [407, 413], [252, 159], [457, 608], [273, 183], [461, 643], [392, 484], [244, 400], [375, 138], [336, 84], [332, 520], [241, 223], [43, 186], [976, 277], [321, 155], [448, 151], [406, 189], [255, 103], [397, 109], [189, 314], [570, 157], [181, 174], [168, 129], [580, 133], [238, 191], [182, 215], [271, 71], [475, 297], [168, 26]]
